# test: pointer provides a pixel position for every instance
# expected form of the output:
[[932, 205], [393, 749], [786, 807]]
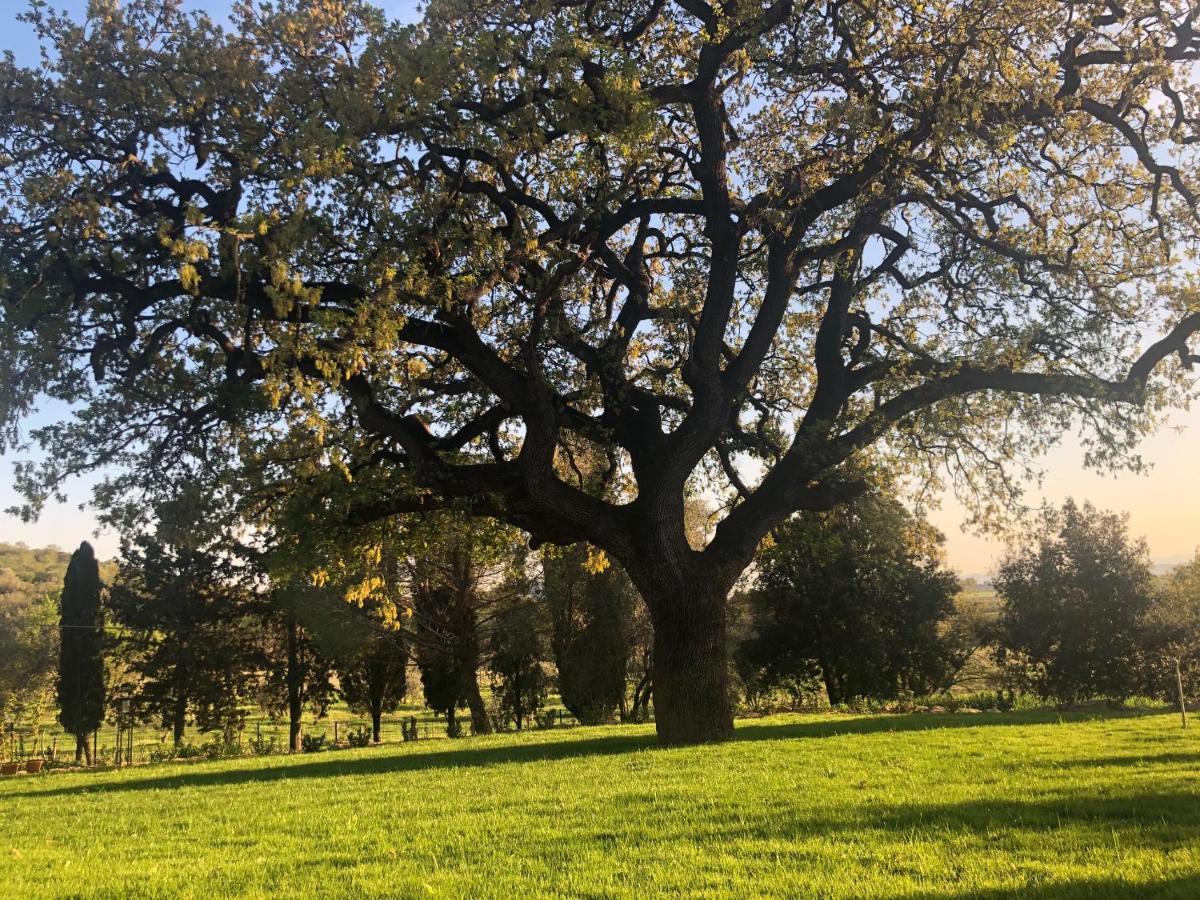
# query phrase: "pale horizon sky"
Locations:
[[1163, 505]]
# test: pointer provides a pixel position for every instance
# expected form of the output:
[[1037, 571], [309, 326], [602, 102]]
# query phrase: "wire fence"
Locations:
[[142, 744]]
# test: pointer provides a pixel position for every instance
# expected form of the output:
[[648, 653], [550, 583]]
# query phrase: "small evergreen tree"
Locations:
[[516, 651], [373, 680], [590, 616], [298, 674], [447, 654], [81, 642], [454, 566], [191, 633]]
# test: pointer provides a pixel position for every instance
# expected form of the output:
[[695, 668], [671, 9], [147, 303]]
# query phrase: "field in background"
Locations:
[[840, 806]]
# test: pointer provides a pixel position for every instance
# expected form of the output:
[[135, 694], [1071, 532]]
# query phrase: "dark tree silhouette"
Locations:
[[191, 632], [1075, 599], [298, 673], [374, 679], [81, 645], [447, 648], [591, 623], [857, 597], [515, 653]]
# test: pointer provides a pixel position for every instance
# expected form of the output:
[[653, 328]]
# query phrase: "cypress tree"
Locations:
[[80, 660]]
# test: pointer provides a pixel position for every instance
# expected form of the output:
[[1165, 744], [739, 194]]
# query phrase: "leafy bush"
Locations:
[[359, 737], [312, 743], [264, 746], [408, 729], [163, 753]]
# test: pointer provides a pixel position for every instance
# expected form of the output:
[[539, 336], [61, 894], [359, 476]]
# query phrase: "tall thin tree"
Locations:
[[80, 661]]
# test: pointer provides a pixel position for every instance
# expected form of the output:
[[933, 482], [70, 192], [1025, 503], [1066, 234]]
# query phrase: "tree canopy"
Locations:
[[190, 625], [413, 264], [1076, 598], [856, 596]]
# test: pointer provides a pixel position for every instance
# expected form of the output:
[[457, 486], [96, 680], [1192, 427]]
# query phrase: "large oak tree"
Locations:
[[747, 241]]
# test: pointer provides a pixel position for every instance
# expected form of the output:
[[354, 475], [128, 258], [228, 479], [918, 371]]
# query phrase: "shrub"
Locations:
[[312, 743], [408, 729], [264, 746]]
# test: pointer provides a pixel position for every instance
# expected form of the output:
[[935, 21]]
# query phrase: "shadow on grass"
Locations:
[[893, 722], [1026, 839], [1133, 761], [597, 743], [1185, 887], [324, 765]]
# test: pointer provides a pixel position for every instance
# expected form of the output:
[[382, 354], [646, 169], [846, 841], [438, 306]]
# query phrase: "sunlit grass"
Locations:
[[965, 805]]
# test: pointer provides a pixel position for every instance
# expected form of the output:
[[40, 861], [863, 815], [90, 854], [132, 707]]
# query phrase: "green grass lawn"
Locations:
[[969, 805]]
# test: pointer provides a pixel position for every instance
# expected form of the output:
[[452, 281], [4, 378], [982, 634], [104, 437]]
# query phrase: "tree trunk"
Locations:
[[179, 718], [642, 710], [691, 672], [480, 723], [294, 684], [375, 682], [832, 690], [81, 749]]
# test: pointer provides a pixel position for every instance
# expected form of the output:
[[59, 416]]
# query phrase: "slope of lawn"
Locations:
[[924, 805]]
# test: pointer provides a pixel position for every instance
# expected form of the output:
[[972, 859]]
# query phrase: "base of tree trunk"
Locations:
[[480, 723], [687, 712], [691, 677]]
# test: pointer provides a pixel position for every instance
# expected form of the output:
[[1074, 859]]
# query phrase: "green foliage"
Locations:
[[458, 570], [857, 597], [298, 675], [591, 632], [31, 580], [312, 743], [42, 569], [28, 648], [395, 268], [374, 680], [191, 629], [1073, 623], [515, 653], [1173, 633], [80, 688]]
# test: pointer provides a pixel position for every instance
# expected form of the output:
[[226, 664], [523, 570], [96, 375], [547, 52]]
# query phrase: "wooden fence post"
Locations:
[[1179, 687]]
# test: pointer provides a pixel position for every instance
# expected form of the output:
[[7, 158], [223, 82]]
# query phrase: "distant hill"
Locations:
[[1164, 565], [42, 569]]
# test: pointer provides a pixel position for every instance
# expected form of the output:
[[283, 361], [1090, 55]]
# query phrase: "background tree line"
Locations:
[[846, 605]]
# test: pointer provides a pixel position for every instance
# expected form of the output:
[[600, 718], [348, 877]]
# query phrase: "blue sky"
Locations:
[[1163, 505]]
